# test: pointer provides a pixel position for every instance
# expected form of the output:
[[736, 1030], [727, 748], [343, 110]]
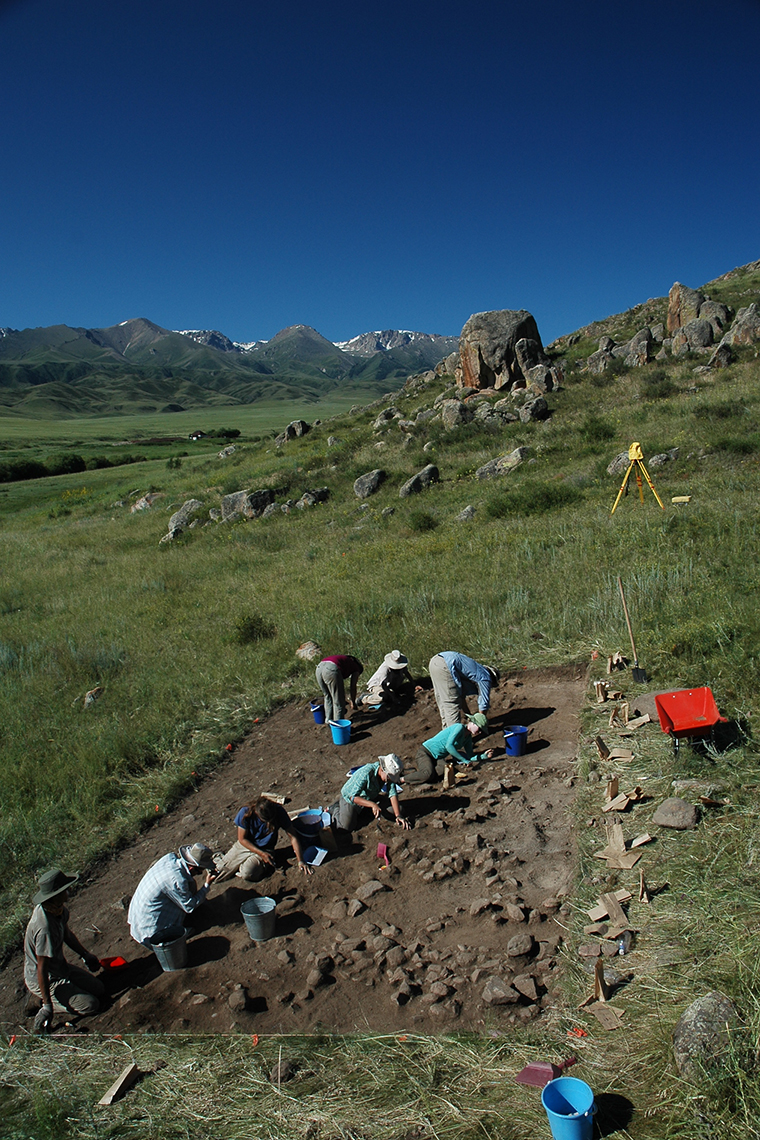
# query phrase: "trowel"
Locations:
[[539, 1073]]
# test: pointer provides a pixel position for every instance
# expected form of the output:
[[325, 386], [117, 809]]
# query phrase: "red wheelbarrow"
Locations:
[[688, 714]]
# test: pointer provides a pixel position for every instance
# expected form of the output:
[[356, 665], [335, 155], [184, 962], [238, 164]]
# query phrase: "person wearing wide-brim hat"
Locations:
[[391, 682], [168, 891], [60, 986], [454, 744]]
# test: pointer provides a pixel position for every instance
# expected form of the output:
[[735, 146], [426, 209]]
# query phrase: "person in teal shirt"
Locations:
[[455, 743], [364, 788]]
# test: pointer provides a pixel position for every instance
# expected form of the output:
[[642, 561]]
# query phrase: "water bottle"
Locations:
[[624, 942]]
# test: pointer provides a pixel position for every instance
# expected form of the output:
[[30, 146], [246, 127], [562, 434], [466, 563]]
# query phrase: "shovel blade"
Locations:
[[639, 675]]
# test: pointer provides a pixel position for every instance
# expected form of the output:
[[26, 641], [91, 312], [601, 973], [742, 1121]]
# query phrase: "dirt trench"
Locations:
[[459, 933]]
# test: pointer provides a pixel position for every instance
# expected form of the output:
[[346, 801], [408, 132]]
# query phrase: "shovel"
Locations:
[[639, 675], [539, 1073]]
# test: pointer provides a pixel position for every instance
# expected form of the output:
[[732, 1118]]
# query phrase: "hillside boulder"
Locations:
[[502, 464], [294, 429], [488, 349], [454, 413], [535, 409], [246, 504], [746, 327], [717, 314], [367, 484], [311, 498], [683, 306], [639, 349], [420, 481], [182, 518]]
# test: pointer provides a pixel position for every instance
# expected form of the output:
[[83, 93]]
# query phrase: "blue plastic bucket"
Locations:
[[259, 918], [569, 1104], [514, 740], [318, 712], [341, 731]]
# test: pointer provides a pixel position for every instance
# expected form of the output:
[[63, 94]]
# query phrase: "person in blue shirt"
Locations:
[[364, 789], [455, 677], [252, 853], [454, 744]]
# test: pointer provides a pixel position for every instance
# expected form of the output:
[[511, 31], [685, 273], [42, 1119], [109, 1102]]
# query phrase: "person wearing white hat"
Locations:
[[47, 975], [168, 891], [390, 683], [365, 787]]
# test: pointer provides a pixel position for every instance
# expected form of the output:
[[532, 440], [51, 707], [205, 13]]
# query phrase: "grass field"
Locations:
[[89, 598]]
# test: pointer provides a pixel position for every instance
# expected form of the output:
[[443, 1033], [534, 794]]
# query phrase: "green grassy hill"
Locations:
[[89, 598]]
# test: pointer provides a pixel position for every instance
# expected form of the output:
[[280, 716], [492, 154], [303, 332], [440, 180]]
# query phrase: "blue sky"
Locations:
[[245, 165]]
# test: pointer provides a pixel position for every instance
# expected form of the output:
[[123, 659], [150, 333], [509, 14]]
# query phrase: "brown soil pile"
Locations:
[[459, 933]]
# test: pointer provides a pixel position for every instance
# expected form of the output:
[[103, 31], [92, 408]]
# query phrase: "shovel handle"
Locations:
[[628, 622]]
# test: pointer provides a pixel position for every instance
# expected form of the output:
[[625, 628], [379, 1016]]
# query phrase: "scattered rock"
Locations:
[[367, 484], [283, 1071], [520, 945], [420, 481], [677, 814], [368, 890], [238, 999], [701, 1036], [498, 992]]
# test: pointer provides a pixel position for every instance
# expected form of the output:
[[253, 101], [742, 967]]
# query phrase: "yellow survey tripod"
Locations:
[[636, 456]]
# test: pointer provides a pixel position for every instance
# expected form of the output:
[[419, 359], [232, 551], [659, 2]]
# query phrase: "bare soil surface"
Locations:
[[459, 933]]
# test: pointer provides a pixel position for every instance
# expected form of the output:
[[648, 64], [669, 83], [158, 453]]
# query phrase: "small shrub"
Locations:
[[720, 410], [422, 521], [747, 445], [595, 429], [657, 386], [532, 499], [251, 628]]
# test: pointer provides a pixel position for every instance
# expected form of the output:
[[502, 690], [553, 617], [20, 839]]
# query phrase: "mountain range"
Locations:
[[139, 366]]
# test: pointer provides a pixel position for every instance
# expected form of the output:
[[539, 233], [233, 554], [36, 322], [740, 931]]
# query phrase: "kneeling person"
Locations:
[[363, 790], [47, 975], [452, 744], [252, 853]]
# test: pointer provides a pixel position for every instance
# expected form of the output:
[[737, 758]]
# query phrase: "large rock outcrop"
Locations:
[[502, 348]]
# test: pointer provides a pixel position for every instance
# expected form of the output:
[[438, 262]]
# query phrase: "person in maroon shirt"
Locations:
[[332, 673]]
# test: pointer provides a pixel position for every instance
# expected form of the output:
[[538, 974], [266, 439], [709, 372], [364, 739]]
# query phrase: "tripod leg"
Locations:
[[651, 485], [622, 488]]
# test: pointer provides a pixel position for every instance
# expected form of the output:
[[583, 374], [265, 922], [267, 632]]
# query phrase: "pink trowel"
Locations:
[[382, 853], [539, 1073]]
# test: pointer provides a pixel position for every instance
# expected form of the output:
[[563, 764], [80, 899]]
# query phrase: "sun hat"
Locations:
[[392, 764], [480, 720], [199, 855], [395, 660], [53, 882]]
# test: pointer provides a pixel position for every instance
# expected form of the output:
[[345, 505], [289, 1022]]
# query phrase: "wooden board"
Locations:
[[597, 913], [123, 1082]]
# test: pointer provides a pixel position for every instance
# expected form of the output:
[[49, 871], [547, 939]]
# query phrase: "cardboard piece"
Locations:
[[602, 749], [614, 909], [641, 839], [616, 661], [620, 754], [612, 789], [643, 892], [122, 1084], [597, 913], [608, 1016], [619, 715], [681, 499], [600, 688], [637, 721], [621, 802]]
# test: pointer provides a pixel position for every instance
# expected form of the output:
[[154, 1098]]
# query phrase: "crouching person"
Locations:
[[61, 987], [365, 788], [252, 854], [451, 745]]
